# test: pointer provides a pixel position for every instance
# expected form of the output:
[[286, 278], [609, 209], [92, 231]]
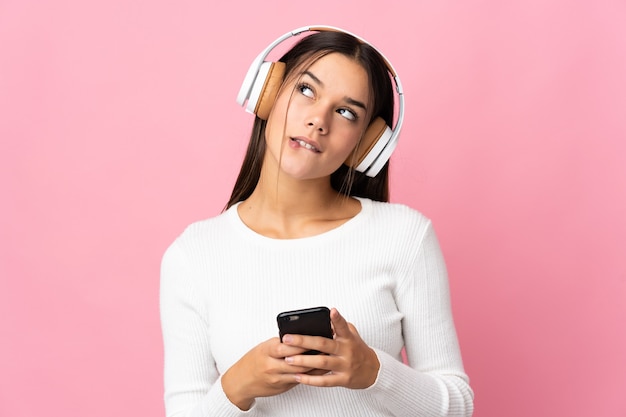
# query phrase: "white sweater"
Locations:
[[222, 286]]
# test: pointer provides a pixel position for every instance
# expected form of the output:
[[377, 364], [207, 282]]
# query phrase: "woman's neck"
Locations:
[[286, 208]]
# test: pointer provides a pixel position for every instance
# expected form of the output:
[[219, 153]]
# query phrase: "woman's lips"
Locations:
[[305, 144]]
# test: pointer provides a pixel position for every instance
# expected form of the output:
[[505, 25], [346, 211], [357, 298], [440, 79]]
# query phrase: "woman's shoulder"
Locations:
[[395, 219], [203, 230], [397, 213], [396, 224]]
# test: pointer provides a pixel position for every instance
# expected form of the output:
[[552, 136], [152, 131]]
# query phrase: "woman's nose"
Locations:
[[318, 119]]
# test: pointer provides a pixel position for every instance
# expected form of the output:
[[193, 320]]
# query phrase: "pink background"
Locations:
[[119, 126]]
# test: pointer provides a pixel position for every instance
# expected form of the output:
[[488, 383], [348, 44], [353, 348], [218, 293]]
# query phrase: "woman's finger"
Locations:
[[340, 325]]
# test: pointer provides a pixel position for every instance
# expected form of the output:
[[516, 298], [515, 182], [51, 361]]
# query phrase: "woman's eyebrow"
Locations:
[[355, 103], [317, 80], [348, 100]]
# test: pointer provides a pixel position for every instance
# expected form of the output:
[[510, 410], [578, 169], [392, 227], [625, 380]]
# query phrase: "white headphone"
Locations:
[[263, 80]]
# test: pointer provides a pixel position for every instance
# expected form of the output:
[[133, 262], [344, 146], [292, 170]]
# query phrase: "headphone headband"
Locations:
[[382, 149]]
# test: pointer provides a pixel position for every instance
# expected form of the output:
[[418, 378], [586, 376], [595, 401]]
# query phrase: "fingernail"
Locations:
[[289, 359], [298, 378], [287, 338]]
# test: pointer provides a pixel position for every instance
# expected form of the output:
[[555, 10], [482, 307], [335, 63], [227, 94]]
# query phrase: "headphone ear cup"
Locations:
[[271, 84], [369, 147]]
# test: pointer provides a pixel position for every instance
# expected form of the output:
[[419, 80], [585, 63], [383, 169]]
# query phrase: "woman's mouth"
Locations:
[[305, 145]]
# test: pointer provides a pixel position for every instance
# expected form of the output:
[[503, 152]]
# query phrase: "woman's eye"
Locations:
[[348, 114], [306, 90]]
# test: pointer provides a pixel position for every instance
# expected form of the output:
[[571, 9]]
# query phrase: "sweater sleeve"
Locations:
[[434, 383], [192, 384]]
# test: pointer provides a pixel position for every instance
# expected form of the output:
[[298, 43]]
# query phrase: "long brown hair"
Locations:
[[345, 180]]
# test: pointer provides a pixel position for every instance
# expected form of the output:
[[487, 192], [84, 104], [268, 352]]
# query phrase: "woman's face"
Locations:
[[322, 123]]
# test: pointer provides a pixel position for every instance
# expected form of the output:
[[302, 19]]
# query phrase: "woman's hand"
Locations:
[[349, 362], [262, 372]]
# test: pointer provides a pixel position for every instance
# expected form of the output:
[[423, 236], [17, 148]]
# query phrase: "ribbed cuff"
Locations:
[[405, 391], [218, 404]]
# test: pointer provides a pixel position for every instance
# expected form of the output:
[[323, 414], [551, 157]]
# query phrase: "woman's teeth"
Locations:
[[306, 145]]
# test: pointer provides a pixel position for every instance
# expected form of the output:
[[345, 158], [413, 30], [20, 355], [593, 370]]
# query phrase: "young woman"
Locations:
[[304, 228]]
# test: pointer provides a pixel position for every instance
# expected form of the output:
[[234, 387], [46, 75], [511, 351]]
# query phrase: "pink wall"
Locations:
[[118, 126]]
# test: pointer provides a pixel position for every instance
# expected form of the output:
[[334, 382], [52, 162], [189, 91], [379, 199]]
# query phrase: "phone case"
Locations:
[[310, 321]]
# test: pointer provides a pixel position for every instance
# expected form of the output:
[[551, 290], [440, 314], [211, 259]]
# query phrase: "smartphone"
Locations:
[[309, 321]]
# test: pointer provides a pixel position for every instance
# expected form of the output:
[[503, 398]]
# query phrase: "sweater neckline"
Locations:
[[241, 227]]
